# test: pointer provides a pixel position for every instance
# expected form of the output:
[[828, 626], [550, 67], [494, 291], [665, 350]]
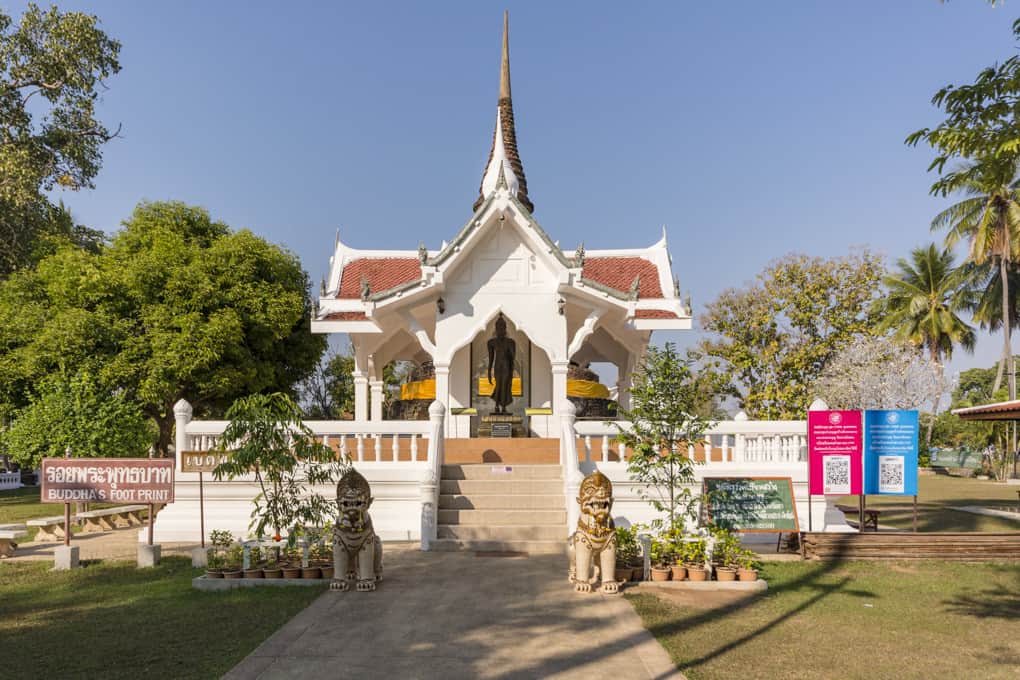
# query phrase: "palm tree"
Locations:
[[922, 306], [987, 279], [989, 219]]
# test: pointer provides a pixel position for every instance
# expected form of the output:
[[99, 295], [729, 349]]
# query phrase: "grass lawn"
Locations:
[[112, 620], [852, 620], [936, 494]]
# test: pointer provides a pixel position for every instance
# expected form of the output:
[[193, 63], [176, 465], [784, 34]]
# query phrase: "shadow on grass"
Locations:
[[811, 580], [1001, 601]]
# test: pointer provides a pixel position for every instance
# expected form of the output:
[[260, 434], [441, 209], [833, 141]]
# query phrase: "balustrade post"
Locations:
[[433, 474], [182, 416], [568, 460]]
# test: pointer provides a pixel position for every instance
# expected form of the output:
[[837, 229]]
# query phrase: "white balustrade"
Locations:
[[10, 480], [777, 442], [389, 439]]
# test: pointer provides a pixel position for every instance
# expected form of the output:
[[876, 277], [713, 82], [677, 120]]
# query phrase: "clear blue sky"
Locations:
[[750, 129]]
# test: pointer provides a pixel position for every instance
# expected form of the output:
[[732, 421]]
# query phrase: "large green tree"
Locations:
[[52, 66], [178, 305], [773, 338], [924, 299]]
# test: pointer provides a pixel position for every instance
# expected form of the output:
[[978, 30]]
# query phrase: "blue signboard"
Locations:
[[890, 453]]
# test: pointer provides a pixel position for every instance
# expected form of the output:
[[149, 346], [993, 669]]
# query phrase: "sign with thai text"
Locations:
[[750, 504], [202, 461], [834, 453], [107, 480], [890, 452]]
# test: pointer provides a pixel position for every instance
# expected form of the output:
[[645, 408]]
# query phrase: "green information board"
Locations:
[[750, 504]]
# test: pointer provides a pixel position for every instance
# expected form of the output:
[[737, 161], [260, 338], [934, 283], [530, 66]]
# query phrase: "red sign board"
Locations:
[[107, 480], [834, 453]]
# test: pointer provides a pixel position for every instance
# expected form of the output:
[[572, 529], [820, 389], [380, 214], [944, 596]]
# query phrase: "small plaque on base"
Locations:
[[501, 425]]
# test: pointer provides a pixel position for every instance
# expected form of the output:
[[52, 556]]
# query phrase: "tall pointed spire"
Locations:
[[503, 154]]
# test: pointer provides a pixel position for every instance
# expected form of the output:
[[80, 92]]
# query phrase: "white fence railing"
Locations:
[[730, 441], [10, 480], [386, 441]]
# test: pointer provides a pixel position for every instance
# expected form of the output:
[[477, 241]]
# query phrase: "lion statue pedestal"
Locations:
[[357, 551], [592, 547]]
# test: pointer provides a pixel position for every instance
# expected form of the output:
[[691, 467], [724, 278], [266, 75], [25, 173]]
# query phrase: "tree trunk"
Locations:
[[1006, 326], [941, 388]]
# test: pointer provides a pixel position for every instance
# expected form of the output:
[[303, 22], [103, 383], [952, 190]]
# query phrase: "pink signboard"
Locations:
[[107, 480], [834, 453]]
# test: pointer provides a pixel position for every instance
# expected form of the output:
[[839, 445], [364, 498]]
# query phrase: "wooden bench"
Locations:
[[870, 516], [8, 538], [109, 519], [50, 528]]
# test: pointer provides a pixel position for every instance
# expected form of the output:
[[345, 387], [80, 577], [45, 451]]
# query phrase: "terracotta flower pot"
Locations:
[[292, 572], [214, 573], [275, 572], [679, 572], [622, 574], [696, 574], [232, 573], [725, 574], [747, 574], [311, 572], [327, 572], [660, 573], [253, 573]]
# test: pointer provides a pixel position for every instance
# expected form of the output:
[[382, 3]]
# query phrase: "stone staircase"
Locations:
[[502, 507]]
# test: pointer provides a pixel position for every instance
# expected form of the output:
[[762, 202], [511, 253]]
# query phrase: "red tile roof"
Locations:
[[382, 274], [654, 314], [618, 273], [345, 316]]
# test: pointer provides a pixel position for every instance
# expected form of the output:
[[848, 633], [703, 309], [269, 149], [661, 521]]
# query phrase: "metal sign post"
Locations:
[[67, 510], [201, 509], [152, 506]]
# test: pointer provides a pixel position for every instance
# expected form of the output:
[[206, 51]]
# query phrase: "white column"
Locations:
[[376, 388], [443, 390], [360, 395], [433, 473], [559, 383], [182, 416]]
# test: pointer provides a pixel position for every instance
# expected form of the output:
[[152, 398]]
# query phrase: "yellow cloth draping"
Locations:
[[587, 389], [485, 387], [422, 389], [426, 389]]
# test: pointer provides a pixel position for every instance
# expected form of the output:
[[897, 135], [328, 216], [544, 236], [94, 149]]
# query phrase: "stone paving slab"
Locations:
[[454, 615]]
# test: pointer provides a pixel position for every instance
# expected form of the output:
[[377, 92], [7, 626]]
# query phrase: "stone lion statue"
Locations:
[[592, 547], [357, 551]]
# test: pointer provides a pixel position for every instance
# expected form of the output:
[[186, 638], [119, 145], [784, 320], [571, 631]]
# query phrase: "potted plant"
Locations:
[[254, 569], [627, 551], [694, 556], [220, 540], [664, 420], [267, 439], [292, 564], [747, 565], [235, 556], [662, 554], [724, 556], [675, 539], [271, 569]]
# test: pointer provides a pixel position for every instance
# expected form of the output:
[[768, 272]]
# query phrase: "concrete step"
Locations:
[[473, 487], [558, 547], [504, 533], [501, 501], [491, 518], [502, 472], [492, 450]]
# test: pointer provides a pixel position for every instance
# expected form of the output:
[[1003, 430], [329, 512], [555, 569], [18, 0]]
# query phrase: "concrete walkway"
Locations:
[[458, 615]]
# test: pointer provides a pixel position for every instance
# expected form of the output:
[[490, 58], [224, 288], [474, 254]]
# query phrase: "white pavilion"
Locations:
[[434, 479]]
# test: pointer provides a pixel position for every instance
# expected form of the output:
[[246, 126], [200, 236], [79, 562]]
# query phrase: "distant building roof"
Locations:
[[1003, 410]]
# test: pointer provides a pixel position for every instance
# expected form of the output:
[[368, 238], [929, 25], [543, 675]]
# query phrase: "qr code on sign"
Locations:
[[890, 474], [837, 474]]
